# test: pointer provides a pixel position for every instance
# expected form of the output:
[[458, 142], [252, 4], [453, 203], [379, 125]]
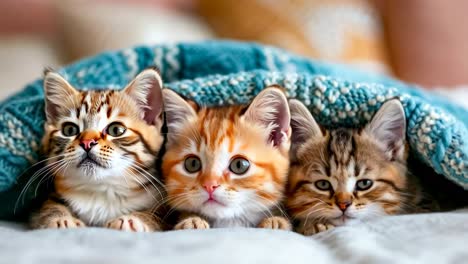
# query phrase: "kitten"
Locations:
[[227, 166], [101, 148], [343, 174]]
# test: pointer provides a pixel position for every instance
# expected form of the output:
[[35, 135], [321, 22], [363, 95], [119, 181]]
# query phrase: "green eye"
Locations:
[[192, 164], [116, 129], [239, 166], [69, 129], [323, 185], [364, 184]]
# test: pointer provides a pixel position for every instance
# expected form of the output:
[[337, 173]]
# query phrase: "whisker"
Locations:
[[140, 171], [54, 170], [148, 180], [316, 218], [33, 178], [141, 184], [276, 205]]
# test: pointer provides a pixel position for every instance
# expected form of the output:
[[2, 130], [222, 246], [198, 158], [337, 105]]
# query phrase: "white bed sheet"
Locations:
[[430, 238]]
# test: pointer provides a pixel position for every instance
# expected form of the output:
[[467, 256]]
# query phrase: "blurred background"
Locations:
[[418, 41]]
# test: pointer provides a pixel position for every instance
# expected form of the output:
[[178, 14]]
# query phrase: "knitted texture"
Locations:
[[225, 73]]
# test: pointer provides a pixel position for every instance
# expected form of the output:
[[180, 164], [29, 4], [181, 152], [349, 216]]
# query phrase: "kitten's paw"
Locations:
[[317, 228], [194, 222], [129, 223], [276, 222], [65, 222]]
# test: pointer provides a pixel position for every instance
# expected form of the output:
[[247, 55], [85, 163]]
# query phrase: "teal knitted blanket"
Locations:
[[219, 73]]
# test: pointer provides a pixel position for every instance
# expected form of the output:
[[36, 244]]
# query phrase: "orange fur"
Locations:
[[218, 136]]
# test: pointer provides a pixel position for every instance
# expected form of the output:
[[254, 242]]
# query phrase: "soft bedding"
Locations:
[[426, 238]]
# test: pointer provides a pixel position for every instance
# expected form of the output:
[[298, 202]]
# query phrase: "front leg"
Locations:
[[55, 215], [136, 222], [191, 221], [276, 222], [313, 227]]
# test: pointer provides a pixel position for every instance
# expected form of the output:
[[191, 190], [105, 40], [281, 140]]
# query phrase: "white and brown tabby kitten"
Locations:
[[344, 174], [227, 166], [101, 148]]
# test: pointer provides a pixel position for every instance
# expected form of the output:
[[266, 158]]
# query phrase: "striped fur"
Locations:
[[259, 133], [114, 184], [343, 157]]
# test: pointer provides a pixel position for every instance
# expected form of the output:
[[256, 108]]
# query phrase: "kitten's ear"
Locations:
[[270, 109], [178, 111], [303, 123], [388, 126], [146, 90], [56, 90]]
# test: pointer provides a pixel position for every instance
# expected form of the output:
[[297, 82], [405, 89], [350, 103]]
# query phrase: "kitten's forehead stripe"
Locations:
[[342, 147], [109, 111], [216, 125]]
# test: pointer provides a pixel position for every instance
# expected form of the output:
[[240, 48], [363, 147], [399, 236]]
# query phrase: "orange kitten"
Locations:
[[344, 174], [227, 166], [101, 148]]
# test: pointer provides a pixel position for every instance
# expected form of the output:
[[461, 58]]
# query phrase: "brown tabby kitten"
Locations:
[[102, 146], [227, 166], [344, 174]]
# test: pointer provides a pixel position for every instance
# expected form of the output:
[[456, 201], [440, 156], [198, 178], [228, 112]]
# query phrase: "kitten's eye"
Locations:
[[192, 164], [116, 129], [239, 166], [363, 185], [323, 185], [69, 129]]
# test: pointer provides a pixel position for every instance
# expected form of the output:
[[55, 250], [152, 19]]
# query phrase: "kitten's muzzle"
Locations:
[[88, 161], [89, 158]]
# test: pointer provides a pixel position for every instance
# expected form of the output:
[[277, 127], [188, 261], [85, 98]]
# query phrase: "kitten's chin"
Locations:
[[92, 169], [216, 210], [353, 215], [341, 220], [92, 172]]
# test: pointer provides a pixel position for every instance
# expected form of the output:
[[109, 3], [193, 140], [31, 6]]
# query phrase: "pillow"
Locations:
[[219, 73], [107, 25], [346, 31], [15, 51]]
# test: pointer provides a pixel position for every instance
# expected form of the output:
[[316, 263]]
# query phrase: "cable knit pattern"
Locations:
[[220, 73]]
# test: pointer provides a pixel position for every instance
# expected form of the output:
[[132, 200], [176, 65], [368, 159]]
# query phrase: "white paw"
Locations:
[[65, 222], [192, 223], [129, 223]]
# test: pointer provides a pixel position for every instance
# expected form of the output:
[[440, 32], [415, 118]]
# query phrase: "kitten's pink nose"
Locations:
[[343, 200], [344, 205], [210, 186], [87, 144]]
